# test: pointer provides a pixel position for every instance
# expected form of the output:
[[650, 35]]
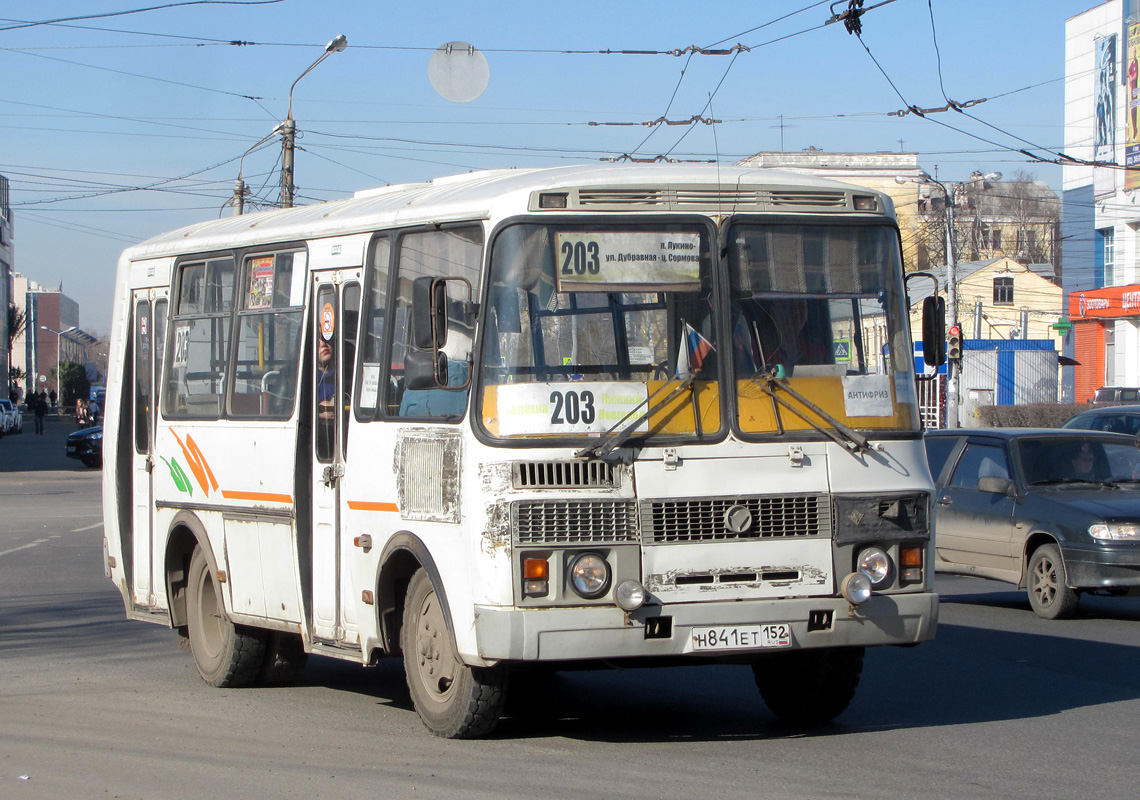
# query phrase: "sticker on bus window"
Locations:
[[867, 396], [369, 385], [606, 261], [261, 283], [576, 407], [328, 322]]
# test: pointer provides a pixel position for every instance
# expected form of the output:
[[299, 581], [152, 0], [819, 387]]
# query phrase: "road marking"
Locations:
[[23, 547], [88, 528]]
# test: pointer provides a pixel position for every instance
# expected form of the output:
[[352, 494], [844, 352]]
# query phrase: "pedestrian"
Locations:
[[40, 411], [81, 412], [53, 397]]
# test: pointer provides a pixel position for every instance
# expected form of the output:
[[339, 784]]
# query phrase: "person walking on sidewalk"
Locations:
[[40, 411]]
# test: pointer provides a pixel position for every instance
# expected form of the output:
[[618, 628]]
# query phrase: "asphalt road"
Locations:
[[92, 705]]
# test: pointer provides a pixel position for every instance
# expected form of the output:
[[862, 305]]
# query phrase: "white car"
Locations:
[[11, 418]]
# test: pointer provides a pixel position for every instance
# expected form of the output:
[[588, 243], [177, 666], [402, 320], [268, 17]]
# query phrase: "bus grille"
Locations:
[[564, 475], [704, 520], [575, 521]]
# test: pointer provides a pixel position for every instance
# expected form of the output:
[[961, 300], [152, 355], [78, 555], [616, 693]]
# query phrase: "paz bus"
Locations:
[[520, 419]]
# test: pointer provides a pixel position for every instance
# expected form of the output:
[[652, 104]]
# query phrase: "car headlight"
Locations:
[[875, 564], [590, 575], [97, 436], [1115, 531]]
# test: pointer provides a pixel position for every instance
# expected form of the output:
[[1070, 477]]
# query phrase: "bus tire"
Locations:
[[809, 687], [225, 654], [454, 701], [285, 657]]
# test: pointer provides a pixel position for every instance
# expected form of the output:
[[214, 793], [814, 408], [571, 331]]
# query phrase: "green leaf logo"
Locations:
[[178, 475]]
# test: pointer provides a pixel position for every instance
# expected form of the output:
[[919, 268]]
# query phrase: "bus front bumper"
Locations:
[[571, 634]]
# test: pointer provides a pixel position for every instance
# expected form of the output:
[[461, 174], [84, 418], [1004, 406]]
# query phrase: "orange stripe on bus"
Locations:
[[362, 505], [266, 497]]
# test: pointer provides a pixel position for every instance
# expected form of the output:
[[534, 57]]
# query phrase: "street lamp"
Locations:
[[289, 129], [58, 336], [952, 420]]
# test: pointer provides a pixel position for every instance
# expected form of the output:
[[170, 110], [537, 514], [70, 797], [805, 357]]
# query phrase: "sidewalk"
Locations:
[[26, 452]]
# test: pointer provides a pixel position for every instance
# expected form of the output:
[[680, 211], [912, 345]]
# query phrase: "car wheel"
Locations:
[[454, 701], [225, 654], [809, 687], [1049, 594]]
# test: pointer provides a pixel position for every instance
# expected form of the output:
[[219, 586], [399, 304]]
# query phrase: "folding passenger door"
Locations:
[[335, 317], [149, 331]]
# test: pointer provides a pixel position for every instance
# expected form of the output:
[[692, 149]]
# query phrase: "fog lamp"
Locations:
[[856, 588], [630, 595]]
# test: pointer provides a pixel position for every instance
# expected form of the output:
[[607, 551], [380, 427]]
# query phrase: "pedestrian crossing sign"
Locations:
[[842, 350]]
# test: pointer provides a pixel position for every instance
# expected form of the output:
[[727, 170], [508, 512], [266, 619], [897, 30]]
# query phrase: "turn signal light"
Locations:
[[910, 556], [536, 577]]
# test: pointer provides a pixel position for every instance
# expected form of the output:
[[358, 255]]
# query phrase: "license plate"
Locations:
[[740, 637], [72, 448]]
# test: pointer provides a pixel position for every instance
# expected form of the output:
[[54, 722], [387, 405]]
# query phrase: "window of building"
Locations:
[[1105, 266], [1003, 291]]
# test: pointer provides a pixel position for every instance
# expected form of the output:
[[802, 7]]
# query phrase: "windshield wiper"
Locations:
[[851, 440], [610, 440], [1071, 481]]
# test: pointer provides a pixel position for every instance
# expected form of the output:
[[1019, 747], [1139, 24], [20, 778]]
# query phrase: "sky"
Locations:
[[133, 121]]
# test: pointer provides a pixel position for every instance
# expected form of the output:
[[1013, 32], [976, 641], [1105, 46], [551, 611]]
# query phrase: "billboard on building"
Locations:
[[1132, 112], [1104, 134]]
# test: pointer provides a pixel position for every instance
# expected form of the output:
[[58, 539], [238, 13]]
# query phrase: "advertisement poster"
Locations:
[[261, 283], [1104, 133], [1132, 111]]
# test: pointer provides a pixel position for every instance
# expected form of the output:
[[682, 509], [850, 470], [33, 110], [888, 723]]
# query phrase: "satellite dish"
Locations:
[[458, 72]]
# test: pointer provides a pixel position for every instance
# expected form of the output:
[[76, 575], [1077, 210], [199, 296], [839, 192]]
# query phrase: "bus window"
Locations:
[[143, 407], [350, 313], [371, 359], [455, 253], [268, 336], [195, 377], [324, 377]]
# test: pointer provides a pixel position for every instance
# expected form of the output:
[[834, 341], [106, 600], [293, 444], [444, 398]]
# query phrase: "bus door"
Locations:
[[336, 312], [149, 321]]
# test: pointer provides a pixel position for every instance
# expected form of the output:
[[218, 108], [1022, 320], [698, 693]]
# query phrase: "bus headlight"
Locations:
[[856, 588], [875, 564], [590, 576], [630, 595]]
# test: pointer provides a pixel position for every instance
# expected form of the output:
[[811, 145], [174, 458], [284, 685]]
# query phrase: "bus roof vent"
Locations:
[[721, 198], [817, 199], [565, 475]]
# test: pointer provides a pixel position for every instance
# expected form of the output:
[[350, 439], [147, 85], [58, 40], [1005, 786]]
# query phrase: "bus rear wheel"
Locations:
[[809, 687], [225, 654], [453, 700]]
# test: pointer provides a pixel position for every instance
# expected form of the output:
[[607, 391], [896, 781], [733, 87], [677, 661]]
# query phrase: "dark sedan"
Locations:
[[1056, 512], [1110, 419], [86, 444]]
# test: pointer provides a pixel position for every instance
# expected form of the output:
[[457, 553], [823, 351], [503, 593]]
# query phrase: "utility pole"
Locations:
[[951, 309], [288, 128]]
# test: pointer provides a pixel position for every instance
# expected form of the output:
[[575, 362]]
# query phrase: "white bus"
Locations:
[[529, 418]]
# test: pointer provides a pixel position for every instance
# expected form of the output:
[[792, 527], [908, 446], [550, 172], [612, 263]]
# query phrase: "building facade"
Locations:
[[1102, 199], [6, 265]]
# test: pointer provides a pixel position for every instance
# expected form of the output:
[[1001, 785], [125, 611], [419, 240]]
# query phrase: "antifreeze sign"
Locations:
[[630, 261]]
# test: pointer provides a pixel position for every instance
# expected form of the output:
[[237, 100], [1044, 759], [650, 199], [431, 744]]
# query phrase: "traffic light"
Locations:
[[954, 343]]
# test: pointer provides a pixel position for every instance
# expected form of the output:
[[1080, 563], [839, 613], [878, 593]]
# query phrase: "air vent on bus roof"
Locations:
[[722, 198]]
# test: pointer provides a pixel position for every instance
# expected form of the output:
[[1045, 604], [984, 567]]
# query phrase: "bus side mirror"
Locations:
[[425, 369], [429, 313], [934, 331]]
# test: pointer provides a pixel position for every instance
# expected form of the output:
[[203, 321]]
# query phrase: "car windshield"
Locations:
[[1056, 460]]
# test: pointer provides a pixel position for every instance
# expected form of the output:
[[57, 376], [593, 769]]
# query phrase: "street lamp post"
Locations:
[[59, 335], [952, 370], [288, 128]]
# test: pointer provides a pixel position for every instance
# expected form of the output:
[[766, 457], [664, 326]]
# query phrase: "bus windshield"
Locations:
[[819, 328], [588, 322], [596, 329]]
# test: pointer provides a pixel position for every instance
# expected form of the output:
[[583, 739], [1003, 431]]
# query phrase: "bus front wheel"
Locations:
[[809, 687], [453, 700], [225, 654]]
